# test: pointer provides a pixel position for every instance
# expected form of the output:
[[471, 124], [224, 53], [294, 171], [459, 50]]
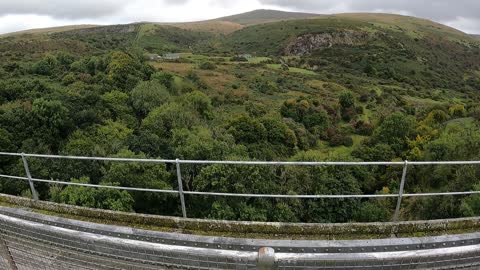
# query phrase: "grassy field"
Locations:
[[293, 69]]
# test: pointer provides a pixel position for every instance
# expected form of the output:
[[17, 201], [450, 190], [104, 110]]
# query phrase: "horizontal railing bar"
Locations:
[[13, 177], [441, 194], [226, 162], [89, 185], [248, 195], [471, 162], [287, 163], [91, 158], [102, 186], [290, 196]]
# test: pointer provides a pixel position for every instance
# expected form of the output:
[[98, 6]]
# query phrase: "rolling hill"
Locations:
[[230, 24], [49, 30], [265, 16], [413, 49]]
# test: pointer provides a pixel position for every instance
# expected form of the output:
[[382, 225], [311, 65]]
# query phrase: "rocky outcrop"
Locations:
[[306, 44]]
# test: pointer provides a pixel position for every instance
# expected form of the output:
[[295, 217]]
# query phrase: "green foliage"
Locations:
[[306, 112], [323, 180], [6, 143], [237, 179], [200, 144], [255, 109], [99, 140], [116, 104], [207, 66], [340, 139], [124, 71], [50, 119], [165, 39], [346, 99], [395, 131], [436, 117], [363, 128], [470, 206], [142, 175], [373, 212], [164, 78], [148, 95], [457, 111], [162, 120], [378, 152], [46, 66], [247, 130], [264, 86], [110, 199], [200, 103], [277, 132], [238, 59]]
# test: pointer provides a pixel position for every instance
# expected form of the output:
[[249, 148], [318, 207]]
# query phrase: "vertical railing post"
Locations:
[[266, 258], [29, 176], [400, 192], [180, 189]]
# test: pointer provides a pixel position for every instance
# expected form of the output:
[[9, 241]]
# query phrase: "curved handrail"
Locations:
[[33, 240]]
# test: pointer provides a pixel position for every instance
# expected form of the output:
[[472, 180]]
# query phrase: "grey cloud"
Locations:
[[434, 9], [175, 2], [64, 9], [304, 5], [463, 14]]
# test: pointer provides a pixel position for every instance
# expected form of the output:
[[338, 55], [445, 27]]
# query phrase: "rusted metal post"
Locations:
[[29, 176], [180, 189], [400, 192]]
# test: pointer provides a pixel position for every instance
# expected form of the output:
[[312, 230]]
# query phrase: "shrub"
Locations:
[[475, 113], [247, 130], [207, 66], [238, 59], [348, 114], [341, 139], [346, 99], [363, 128], [457, 110]]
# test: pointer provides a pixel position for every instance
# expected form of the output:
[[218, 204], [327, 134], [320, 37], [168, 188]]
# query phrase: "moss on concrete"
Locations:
[[249, 229]]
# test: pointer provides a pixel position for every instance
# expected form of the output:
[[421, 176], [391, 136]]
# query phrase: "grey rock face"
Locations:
[[306, 44]]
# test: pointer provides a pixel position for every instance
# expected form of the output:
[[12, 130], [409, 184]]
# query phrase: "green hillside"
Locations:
[[372, 87], [416, 50]]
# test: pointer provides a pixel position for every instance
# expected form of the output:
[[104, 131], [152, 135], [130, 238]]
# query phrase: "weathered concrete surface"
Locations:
[[271, 230]]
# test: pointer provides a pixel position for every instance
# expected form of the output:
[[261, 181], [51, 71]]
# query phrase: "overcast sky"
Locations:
[[18, 15]]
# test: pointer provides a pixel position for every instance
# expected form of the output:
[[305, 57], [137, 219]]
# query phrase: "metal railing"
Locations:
[[30, 240], [181, 192]]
